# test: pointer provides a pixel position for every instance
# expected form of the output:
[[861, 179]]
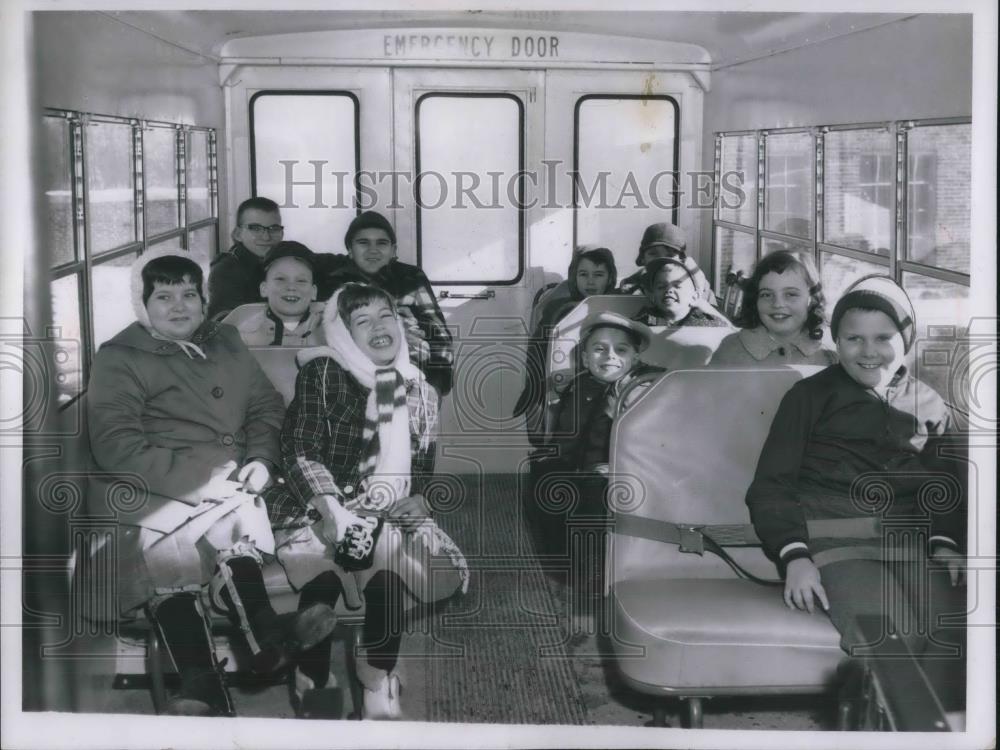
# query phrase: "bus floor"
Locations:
[[510, 650]]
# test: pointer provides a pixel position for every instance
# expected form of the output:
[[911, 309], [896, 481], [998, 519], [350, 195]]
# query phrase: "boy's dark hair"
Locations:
[[258, 203], [781, 261], [600, 256], [633, 338], [170, 270], [352, 296]]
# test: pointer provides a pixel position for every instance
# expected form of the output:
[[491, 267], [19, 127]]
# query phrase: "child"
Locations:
[[666, 241], [782, 320], [182, 406], [371, 259], [591, 271], [842, 440], [609, 350], [672, 292], [292, 317], [356, 444]]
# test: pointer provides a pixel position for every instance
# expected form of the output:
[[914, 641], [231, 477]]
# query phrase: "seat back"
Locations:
[[278, 363], [686, 454], [243, 313], [684, 348]]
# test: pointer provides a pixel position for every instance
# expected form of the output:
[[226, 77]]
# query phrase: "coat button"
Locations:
[[217, 392], [349, 489], [228, 439]]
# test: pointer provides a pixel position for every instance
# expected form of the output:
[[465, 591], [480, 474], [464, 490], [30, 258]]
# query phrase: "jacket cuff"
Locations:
[[793, 551]]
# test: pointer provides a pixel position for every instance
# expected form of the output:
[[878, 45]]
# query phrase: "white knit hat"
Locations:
[[880, 293]]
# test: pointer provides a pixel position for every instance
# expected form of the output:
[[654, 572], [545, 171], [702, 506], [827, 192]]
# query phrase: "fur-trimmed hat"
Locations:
[[136, 278], [880, 293], [608, 319], [668, 235], [369, 220]]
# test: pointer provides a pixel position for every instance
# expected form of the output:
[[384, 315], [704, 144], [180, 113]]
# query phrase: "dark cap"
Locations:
[[369, 220], [290, 249], [669, 235]]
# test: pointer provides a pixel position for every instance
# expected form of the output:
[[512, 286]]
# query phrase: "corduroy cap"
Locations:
[[880, 293], [668, 235], [369, 220], [610, 319]]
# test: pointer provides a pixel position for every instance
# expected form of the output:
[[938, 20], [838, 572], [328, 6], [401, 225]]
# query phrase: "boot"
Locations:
[[181, 625], [311, 699], [313, 688], [381, 702], [273, 639]]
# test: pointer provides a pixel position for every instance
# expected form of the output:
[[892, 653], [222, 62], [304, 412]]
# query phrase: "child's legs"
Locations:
[[325, 588], [383, 628]]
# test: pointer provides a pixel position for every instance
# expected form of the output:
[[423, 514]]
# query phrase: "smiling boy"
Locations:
[[851, 449], [292, 317]]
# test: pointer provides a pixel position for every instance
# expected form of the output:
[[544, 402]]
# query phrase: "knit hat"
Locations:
[[658, 264], [615, 320], [136, 278], [669, 235], [290, 249], [369, 220], [878, 293]]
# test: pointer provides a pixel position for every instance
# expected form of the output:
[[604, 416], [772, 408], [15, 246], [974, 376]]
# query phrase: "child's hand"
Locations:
[[336, 518], [254, 477], [801, 582], [956, 564], [220, 488]]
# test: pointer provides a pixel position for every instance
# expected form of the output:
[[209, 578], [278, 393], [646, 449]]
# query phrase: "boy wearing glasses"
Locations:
[[236, 276]]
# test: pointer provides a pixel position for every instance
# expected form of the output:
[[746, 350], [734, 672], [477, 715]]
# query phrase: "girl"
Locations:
[[181, 407], [356, 446], [782, 320], [591, 272]]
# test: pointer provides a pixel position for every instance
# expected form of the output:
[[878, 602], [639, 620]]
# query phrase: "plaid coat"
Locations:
[[322, 445]]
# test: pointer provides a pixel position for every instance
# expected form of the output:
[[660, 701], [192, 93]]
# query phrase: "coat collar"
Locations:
[[136, 336], [759, 343]]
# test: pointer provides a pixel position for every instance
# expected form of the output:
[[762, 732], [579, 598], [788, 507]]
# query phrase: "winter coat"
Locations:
[[267, 329], [234, 280], [158, 414], [753, 346]]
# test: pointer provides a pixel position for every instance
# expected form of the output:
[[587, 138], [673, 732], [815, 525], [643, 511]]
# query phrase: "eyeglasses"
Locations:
[[260, 229]]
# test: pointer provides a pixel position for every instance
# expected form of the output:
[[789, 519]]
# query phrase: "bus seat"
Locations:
[[238, 315], [704, 630], [278, 363], [684, 348], [95, 597]]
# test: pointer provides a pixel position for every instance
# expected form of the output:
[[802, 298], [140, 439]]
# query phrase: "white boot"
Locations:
[[382, 702]]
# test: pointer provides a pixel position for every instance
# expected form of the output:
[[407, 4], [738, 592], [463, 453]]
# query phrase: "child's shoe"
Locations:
[[382, 703], [315, 702]]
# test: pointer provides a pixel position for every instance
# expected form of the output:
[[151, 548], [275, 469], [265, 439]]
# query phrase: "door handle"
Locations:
[[485, 294]]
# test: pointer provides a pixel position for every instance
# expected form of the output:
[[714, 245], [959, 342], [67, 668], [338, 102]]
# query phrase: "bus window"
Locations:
[[199, 199], [57, 185], [737, 251], [788, 184], [112, 298], [305, 154], [940, 304], [469, 153], [837, 272], [938, 198], [626, 162], [203, 243], [110, 185], [66, 317], [159, 150], [859, 173], [739, 175]]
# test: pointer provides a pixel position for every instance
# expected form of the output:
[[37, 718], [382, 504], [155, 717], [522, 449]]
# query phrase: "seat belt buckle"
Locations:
[[691, 539]]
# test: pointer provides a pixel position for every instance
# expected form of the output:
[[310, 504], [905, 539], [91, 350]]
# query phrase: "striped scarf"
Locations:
[[386, 466]]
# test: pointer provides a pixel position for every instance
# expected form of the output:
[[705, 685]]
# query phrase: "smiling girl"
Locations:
[[782, 316]]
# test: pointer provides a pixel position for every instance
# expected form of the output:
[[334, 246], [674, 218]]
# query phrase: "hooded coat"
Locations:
[[167, 420]]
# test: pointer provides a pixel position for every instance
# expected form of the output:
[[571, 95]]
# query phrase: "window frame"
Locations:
[[84, 259], [675, 192], [520, 205], [896, 263]]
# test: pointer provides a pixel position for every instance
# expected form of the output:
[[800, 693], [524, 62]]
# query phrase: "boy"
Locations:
[[292, 317], [609, 351], [236, 276], [665, 241], [371, 259], [672, 291], [182, 406], [852, 450]]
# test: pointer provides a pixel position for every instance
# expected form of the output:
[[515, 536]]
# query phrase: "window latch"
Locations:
[[485, 294]]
